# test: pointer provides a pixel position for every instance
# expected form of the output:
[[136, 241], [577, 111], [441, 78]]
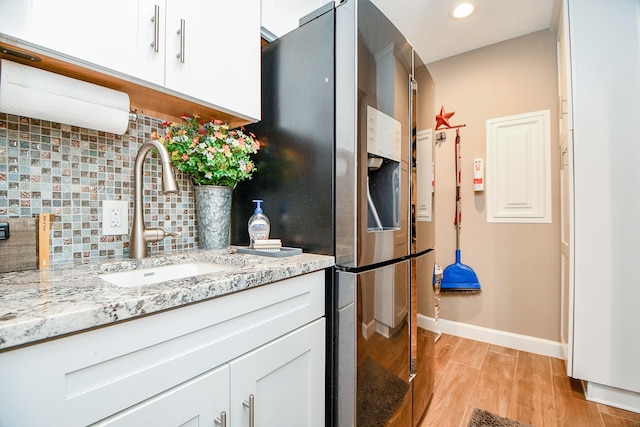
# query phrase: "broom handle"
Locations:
[[458, 219]]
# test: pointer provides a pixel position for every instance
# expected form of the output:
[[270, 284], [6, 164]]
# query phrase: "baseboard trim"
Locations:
[[611, 396], [493, 336]]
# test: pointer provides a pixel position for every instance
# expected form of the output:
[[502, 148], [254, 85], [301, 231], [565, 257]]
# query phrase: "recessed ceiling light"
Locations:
[[462, 10]]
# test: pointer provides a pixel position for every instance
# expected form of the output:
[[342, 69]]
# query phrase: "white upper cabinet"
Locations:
[[216, 55], [116, 35], [207, 51]]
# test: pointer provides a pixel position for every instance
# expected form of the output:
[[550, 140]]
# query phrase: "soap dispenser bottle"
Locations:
[[259, 225]]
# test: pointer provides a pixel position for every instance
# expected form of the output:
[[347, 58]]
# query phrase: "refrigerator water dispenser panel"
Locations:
[[384, 135], [384, 153]]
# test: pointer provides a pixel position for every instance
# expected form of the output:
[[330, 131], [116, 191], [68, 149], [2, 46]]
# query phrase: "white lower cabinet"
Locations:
[[182, 367], [281, 383], [195, 403], [285, 379]]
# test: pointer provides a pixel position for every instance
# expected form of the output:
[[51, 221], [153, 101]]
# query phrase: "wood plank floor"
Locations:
[[526, 387]]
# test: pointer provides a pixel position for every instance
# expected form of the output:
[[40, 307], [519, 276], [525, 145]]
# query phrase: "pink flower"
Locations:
[[209, 143]]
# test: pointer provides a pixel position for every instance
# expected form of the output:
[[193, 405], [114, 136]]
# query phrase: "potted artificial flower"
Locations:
[[216, 158]]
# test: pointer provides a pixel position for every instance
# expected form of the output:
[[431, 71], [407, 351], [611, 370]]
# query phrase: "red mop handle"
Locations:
[[458, 160], [458, 218]]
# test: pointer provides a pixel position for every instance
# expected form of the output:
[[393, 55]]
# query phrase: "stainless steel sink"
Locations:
[[153, 275]]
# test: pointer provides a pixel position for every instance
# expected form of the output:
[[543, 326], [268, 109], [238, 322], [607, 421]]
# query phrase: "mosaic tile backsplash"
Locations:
[[68, 171]]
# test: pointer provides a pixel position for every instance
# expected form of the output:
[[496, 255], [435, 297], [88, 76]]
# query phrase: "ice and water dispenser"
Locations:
[[383, 176]]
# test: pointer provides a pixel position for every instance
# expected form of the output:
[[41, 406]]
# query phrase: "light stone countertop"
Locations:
[[70, 297]]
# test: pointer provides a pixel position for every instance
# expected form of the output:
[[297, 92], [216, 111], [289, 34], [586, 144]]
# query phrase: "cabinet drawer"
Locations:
[[84, 378]]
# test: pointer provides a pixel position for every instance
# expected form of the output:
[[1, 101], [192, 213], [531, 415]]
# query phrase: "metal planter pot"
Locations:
[[213, 206]]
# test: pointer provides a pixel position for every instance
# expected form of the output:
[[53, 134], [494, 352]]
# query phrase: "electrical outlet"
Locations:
[[115, 217]]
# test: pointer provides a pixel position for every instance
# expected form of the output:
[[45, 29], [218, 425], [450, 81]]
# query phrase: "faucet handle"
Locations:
[[173, 234]]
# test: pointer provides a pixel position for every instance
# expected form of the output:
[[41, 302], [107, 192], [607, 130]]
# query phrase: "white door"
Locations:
[[566, 187], [285, 379], [566, 264]]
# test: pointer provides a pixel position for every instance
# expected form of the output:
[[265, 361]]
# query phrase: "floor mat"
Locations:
[[482, 418]]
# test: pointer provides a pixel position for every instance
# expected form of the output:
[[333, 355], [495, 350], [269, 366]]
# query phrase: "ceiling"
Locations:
[[435, 36]]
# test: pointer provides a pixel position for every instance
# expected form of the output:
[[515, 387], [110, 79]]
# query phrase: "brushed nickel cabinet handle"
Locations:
[[251, 406], [180, 55], [156, 28], [222, 421]]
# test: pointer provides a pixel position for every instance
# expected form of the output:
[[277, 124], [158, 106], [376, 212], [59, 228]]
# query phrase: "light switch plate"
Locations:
[[115, 217]]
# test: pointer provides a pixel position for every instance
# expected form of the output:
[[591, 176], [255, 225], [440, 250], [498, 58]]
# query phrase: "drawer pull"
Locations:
[[180, 55], [222, 421], [251, 406], [156, 28]]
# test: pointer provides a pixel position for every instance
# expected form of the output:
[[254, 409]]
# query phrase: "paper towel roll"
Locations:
[[31, 92]]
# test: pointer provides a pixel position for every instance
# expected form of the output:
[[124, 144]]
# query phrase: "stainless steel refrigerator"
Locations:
[[346, 171]]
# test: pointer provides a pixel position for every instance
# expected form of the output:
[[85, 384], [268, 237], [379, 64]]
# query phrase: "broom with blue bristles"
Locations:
[[459, 277]]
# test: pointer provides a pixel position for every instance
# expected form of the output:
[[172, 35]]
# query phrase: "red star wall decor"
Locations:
[[442, 119]]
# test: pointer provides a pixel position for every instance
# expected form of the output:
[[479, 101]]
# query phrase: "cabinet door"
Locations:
[[196, 403], [286, 378], [115, 35], [213, 53]]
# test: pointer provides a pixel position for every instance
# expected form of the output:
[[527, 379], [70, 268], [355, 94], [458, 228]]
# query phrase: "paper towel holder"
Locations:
[[34, 92], [20, 55], [133, 115]]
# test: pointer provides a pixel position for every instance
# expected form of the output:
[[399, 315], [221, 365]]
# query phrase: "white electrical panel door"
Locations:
[[519, 168]]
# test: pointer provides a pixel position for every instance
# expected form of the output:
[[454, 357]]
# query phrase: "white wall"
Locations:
[[518, 265]]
